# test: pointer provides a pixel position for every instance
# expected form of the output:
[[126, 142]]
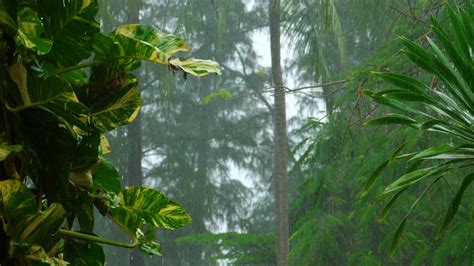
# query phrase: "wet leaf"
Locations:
[[72, 26], [121, 109], [6, 150], [196, 67], [140, 205], [141, 42], [24, 223], [107, 177], [30, 31]]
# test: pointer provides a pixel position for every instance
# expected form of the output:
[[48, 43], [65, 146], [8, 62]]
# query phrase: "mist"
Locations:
[[208, 143]]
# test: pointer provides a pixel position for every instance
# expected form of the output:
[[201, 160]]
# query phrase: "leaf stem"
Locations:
[[73, 234]]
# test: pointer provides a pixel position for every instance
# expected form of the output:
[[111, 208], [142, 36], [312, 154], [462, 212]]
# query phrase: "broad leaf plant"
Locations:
[[63, 86], [443, 104]]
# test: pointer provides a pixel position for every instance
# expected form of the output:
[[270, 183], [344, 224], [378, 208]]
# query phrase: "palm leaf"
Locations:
[[447, 109], [453, 207]]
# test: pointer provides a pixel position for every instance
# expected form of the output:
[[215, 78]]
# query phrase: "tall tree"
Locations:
[[280, 137], [188, 146], [322, 33]]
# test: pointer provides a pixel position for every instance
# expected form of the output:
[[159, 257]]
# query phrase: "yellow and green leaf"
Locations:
[[140, 205]]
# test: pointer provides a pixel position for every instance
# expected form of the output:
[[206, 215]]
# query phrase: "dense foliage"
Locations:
[[345, 159], [446, 106], [335, 221], [359, 194], [63, 86]]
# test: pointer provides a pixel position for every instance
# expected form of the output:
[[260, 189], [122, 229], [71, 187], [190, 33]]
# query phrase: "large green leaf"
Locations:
[[53, 148], [41, 228], [30, 30], [24, 223], [140, 205], [52, 94], [106, 177], [196, 67], [16, 201], [71, 25], [134, 42], [37, 256], [120, 109], [141, 42], [105, 46]]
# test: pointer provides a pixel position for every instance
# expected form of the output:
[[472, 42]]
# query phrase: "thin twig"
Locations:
[[405, 14], [272, 88]]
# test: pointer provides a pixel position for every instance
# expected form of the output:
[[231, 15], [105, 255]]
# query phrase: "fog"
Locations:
[[207, 142]]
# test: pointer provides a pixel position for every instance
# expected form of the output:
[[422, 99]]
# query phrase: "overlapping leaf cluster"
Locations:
[[445, 106], [340, 157], [63, 86]]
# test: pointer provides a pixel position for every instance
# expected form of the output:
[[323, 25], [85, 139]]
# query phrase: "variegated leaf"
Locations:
[[122, 108], [141, 205], [25, 223], [134, 42], [104, 145], [196, 67], [30, 30], [141, 42], [52, 94], [37, 256], [6, 149], [72, 26]]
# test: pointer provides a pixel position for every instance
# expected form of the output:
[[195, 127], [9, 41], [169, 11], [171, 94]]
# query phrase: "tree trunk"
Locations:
[[134, 173], [280, 138]]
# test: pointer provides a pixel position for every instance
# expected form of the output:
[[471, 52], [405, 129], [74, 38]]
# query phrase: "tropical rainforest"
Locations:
[[232, 132]]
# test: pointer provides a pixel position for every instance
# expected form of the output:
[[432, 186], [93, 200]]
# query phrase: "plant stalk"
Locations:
[[78, 235]]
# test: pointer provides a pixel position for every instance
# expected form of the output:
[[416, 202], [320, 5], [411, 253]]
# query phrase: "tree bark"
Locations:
[[134, 135], [280, 138]]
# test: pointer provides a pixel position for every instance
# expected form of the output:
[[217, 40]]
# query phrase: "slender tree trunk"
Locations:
[[280, 138], [134, 173]]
